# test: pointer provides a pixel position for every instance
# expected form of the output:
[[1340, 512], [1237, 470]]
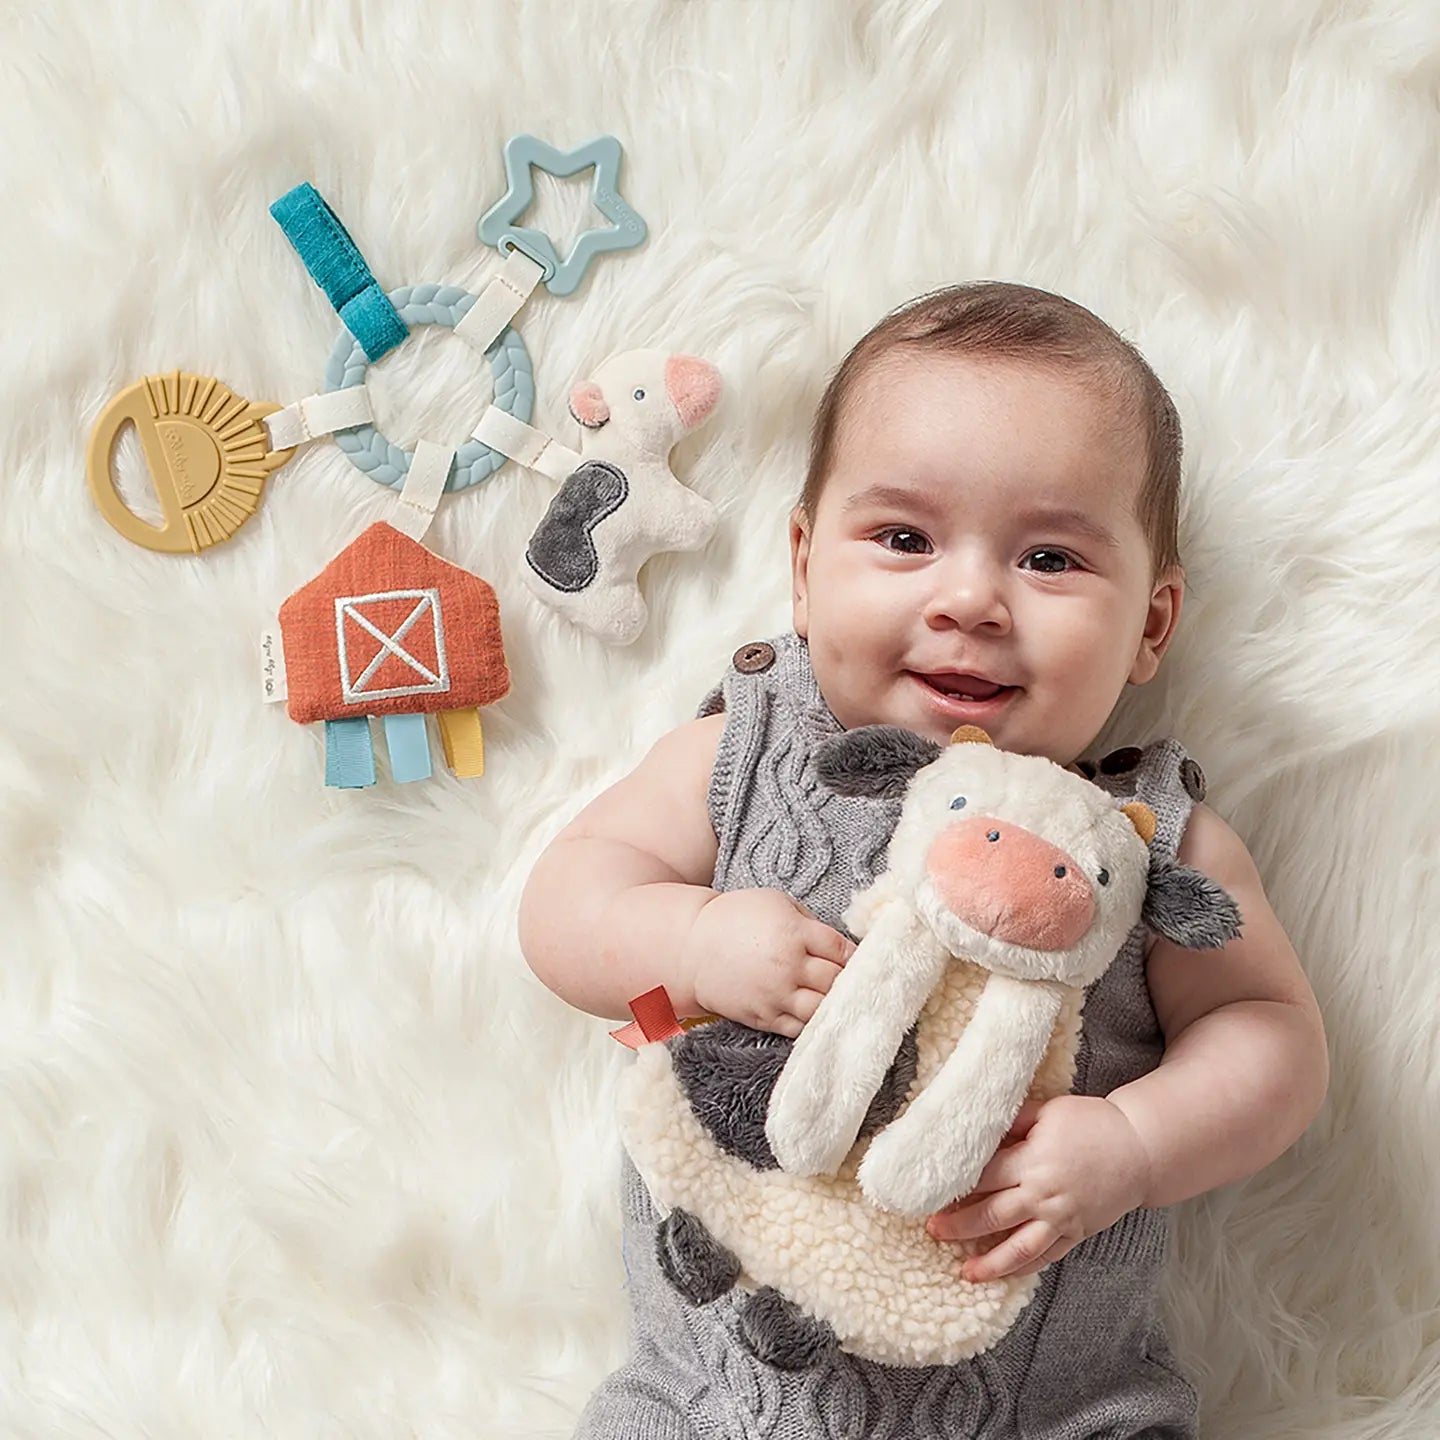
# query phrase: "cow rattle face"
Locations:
[[646, 398], [1012, 861]]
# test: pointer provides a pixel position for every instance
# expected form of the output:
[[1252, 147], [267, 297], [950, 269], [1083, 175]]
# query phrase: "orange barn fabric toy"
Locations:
[[388, 628]]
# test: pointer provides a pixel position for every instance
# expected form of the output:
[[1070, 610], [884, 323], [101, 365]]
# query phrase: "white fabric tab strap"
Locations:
[[318, 415], [525, 444], [424, 485], [498, 303]]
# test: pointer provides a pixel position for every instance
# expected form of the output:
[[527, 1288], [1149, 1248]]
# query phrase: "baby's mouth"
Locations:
[[962, 687]]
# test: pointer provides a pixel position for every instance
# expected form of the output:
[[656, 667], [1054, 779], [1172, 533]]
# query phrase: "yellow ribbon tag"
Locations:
[[208, 455], [464, 746]]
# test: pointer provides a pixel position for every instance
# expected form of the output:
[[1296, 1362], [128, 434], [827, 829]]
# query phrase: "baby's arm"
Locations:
[[612, 895], [1246, 1066]]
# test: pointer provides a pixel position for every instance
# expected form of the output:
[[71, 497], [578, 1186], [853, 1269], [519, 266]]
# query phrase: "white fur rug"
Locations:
[[294, 1143]]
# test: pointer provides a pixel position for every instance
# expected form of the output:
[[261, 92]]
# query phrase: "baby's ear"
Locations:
[[1189, 909], [877, 761]]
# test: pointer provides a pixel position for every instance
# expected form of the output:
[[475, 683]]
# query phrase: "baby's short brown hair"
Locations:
[[1000, 318]]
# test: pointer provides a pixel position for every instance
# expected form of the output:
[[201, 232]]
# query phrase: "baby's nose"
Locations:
[[967, 591], [1009, 883]]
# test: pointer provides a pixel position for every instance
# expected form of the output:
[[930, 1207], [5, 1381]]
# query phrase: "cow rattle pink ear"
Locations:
[[693, 386], [619, 502]]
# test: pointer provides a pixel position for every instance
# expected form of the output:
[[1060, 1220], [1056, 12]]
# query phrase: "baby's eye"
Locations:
[[958, 803], [1053, 555], [907, 542]]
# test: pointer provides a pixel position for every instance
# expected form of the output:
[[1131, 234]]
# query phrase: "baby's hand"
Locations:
[[1076, 1165], [761, 958]]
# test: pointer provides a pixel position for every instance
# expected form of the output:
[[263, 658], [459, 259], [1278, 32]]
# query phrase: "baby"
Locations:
[[987, 535]]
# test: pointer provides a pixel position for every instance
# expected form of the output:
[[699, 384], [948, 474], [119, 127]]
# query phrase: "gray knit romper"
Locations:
[[1088, 1356]]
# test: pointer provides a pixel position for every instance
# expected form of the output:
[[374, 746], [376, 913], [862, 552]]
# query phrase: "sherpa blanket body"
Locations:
[[888, 1291], [295, 1143]]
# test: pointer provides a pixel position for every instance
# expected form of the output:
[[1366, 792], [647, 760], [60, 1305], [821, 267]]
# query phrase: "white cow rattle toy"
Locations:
[[619, 502]]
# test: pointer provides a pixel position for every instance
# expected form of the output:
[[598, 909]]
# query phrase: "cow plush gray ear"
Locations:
[[1188, 908], [877, 761]]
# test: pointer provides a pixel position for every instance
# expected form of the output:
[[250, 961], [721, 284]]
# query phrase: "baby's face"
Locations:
[[932, 556]]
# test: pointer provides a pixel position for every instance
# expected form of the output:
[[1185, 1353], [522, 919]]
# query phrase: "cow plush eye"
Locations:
[[958, 803], [1103, 877], [639, 394]]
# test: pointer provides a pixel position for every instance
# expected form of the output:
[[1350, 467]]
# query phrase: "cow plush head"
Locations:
[[1027, 869]]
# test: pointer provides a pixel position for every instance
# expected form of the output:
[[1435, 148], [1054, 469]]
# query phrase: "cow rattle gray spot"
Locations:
[[561, 551]]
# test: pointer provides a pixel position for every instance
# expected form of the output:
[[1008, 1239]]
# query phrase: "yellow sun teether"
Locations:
[[207, 452]]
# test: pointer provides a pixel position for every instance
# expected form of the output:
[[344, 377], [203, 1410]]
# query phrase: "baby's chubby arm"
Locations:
[[1246, 1066], [611, 895], [621, 901]]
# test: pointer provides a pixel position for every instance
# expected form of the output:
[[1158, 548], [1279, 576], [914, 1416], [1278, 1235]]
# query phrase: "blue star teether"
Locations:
[[497, 225]]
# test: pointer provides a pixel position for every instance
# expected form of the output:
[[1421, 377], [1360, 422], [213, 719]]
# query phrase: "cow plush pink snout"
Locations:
[[1007, 882]]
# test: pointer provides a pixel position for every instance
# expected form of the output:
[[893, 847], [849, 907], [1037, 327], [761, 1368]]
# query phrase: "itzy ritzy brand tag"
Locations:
[[272, 666]]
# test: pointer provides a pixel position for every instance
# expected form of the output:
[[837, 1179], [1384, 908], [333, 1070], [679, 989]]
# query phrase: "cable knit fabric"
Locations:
[[1088, 1357]]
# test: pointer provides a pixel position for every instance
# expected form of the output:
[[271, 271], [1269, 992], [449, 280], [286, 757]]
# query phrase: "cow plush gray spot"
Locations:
[[727, 1071]]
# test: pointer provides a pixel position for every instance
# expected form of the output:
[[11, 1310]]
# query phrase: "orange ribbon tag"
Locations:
[[655, 1019]]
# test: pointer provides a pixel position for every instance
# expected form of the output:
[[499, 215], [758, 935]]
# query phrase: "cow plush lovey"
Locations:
[[799, 1174]]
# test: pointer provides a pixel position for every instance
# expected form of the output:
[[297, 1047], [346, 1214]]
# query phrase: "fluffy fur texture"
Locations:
[[295, 1142], [881, 765]]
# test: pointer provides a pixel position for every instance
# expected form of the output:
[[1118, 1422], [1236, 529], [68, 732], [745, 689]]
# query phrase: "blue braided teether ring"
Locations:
[[370, 452]]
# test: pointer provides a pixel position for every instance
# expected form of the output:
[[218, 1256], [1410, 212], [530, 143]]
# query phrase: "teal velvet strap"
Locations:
[[339, 269]]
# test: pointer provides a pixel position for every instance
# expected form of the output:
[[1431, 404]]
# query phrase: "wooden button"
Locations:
[[1117, 762], [1193, 778], [751, 659]]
